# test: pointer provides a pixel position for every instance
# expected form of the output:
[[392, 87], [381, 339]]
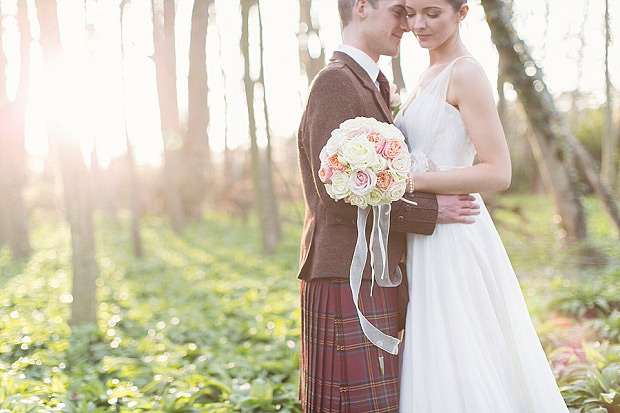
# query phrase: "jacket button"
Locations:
[[400, 219], [338, 219], [408, 207]]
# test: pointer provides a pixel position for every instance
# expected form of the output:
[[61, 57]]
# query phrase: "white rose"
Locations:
[[358, 200], [359, 152], [395, 191], [336, 139], [401, 163], [368, 123], [384, 129], [328, 188], [351, 126], [375, 197], [399, 177], [394, 133], [381, 164], [324, 154], [340, 185]]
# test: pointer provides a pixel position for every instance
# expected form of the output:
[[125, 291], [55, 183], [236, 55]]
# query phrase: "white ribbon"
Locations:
[[380, 272]]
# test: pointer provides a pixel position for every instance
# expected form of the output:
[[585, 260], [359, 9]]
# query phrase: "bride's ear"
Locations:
[[462, 13]]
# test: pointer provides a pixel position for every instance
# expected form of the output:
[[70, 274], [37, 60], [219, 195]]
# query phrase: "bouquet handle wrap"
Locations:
[[379, 237]]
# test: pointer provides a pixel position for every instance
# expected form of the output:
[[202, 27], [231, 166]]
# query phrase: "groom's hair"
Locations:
[[345, 8]]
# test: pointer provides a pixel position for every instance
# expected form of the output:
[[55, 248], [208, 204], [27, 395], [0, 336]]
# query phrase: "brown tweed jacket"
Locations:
[[341, 91]]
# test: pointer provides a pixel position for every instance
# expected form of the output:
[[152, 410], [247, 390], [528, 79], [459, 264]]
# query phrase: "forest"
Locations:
[[151, 205]]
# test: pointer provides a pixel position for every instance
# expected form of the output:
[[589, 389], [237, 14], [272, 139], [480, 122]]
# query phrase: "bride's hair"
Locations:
[[456, 4]]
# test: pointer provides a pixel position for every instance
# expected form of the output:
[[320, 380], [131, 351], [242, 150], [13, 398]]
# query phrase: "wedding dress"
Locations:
[[469, 343]]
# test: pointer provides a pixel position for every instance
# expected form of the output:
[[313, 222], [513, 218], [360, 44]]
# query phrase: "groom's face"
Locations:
[[384, 26]]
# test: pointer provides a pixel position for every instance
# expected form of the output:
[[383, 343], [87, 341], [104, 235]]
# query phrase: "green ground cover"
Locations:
[[207, 323]]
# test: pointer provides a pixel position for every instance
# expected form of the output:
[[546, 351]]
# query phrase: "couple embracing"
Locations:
[[469, 344]]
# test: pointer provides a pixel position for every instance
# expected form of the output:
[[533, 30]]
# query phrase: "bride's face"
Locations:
[[433, 22]]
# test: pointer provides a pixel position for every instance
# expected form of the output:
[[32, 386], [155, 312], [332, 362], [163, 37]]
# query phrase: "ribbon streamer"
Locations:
[[378, 246]]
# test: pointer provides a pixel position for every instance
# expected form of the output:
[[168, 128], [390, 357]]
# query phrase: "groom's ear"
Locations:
[[359, 8]]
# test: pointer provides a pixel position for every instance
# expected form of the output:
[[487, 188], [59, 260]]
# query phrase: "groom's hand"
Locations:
[[456, 209]]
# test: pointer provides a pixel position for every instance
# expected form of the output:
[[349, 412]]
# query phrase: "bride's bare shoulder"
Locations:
[[468, 80]]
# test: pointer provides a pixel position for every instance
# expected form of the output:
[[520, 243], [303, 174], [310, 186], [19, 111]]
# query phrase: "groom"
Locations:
[[340, 370]]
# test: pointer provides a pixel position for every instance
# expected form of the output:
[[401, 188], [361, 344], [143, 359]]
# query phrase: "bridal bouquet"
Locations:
[[365, 162]]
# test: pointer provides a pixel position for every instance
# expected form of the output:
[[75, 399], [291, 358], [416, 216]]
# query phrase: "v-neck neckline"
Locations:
[[419, 92]]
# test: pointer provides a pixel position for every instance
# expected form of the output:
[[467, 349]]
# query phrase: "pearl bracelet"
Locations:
[[411, 184]]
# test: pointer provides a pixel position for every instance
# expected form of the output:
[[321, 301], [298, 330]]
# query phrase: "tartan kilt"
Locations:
[[340, 370]]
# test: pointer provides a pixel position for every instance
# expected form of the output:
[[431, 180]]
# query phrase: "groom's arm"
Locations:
[[333, 98], [417, 216], [422, 211]]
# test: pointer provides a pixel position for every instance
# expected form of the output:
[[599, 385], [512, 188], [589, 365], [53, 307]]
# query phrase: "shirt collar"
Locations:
[[362, 59]]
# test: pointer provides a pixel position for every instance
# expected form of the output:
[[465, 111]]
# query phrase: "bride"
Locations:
[[469, 343]]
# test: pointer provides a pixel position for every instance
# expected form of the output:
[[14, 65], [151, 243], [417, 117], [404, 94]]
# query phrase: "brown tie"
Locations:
[[384, 87]]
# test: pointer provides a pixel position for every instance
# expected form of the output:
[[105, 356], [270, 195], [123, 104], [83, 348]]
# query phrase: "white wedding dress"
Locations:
[[469, 342]]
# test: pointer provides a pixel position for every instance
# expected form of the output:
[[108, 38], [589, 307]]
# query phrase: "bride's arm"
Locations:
[[470, 91]]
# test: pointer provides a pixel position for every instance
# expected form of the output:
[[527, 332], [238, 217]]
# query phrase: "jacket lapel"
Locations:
[[366, 82]]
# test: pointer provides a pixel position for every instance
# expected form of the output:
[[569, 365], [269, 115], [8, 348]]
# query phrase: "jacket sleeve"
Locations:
[[333, 99], [418, 216]]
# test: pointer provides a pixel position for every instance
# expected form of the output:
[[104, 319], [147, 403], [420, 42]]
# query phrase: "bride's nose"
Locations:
[[416, 23]]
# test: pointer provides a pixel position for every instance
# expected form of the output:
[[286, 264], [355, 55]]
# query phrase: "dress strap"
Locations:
[[439, 84], [442, 84]]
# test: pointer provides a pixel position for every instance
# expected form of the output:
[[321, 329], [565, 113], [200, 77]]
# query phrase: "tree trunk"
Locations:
[[5, 219], [229, 175], [610, 144], [397, 70], [196, 152], [76, 182], [553, 157], [272, 232], [13, 216], [248, 83], [257, 169], [165, 69], [307, 31], [134, 200]]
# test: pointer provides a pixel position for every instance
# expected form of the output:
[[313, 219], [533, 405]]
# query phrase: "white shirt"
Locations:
[[362, 59]]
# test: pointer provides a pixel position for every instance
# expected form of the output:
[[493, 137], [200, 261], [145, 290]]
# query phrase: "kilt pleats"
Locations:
[[340, 370]]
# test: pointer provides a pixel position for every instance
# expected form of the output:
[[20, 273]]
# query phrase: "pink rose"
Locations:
[[325, 174], [392, 148], [378, 140], [362, 182]]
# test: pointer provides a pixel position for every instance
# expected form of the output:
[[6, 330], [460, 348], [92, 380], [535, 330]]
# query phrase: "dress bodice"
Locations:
[[435, 127]]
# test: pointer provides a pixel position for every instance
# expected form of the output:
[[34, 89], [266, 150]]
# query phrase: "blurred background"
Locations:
[[151, 207]]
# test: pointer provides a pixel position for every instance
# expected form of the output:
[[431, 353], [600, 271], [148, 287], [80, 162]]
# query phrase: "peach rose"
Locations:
[[334, 163], [392, 148], [384, 179]]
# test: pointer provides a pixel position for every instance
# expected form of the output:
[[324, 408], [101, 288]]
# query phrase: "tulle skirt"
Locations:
[[469, 344]]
